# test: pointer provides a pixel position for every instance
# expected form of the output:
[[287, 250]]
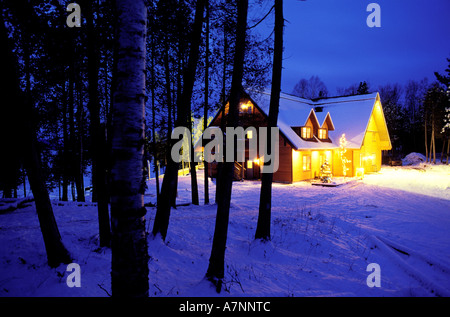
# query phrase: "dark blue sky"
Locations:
[[330, 39]]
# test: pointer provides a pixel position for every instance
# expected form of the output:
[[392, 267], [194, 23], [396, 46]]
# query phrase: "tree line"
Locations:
[[102, 99]]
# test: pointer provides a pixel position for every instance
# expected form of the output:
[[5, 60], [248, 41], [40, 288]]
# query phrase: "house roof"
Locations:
[[349, 115]]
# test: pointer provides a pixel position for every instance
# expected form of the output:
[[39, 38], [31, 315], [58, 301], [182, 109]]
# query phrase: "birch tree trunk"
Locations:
[[129, 269], [215, 272], [265, 198]]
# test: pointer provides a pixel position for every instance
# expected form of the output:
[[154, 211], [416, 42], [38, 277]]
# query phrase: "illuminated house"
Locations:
[[310, 133]]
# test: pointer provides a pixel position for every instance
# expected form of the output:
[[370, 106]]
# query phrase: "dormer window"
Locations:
[[306, 132], [322, 134]]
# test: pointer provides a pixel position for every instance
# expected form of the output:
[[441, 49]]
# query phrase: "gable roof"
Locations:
[[349, 115]]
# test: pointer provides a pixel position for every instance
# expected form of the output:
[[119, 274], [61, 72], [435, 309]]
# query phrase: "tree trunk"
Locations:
[[192, 164], [152, 91], [205, 110], [129, 269], [65, 168], [433, 144], [79, 145], [215, 272], [10, 89], [97, 132], [265, 198], [72, 144], [169, 185]]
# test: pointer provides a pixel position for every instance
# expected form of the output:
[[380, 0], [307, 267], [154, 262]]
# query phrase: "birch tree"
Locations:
[[129, 269]]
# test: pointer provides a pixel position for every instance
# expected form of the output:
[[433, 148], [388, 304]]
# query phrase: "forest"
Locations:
[[102, 99]]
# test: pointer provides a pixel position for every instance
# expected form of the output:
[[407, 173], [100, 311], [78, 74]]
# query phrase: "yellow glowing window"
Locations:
[[306, 132], [249, 164], [246, 108], [249, 134], [306, 163], [322, 134]]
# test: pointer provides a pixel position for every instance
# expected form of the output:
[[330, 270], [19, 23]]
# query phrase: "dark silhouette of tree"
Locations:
[[22, 115], [169, 185], [215, 272], [265, 198]]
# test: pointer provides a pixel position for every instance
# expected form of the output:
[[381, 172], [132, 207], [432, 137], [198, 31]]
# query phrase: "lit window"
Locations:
[[249, 134], [322, 134], [246, 108], [306, 133], [306, 163], [249, 164]]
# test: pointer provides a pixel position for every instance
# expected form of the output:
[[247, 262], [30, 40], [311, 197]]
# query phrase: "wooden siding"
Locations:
[[284, 172]]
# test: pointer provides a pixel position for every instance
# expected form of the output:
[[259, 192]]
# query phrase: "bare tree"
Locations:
[[265, 198], [215, 272], [310, 88], [24, 112], [169, 185], [205, 110]]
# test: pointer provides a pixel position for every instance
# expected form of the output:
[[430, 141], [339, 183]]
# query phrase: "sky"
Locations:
[[331, 39]]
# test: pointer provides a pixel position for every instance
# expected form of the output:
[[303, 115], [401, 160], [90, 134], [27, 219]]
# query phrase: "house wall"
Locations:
[[338, 166], [317, 159], [284, 172], [371, 149]]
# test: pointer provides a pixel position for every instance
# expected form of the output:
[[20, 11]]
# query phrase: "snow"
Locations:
[[323, 240], [414, 159]]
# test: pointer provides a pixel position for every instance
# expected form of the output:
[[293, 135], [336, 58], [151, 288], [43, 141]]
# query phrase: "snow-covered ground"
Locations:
[[323, 240]]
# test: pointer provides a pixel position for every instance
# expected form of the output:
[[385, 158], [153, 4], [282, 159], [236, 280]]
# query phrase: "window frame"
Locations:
[[306, 163], [306, 135], [323, 130]]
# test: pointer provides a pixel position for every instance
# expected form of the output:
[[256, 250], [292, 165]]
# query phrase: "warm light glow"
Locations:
[[369, 157], [328, 156], [295, 155], [249, 134], [306, 163], [246, 107], [360, 172], [306, 132], [342, 151], [256, 161], [315, 155], [322, 134], [249, 164]]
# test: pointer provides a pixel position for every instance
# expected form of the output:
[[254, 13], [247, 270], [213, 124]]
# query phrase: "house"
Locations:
[[312, 131]]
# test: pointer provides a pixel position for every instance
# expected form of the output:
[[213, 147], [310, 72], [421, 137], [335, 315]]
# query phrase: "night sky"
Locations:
[[331, 39]]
